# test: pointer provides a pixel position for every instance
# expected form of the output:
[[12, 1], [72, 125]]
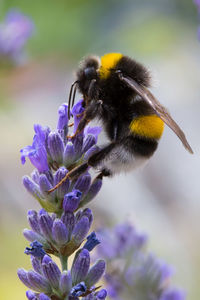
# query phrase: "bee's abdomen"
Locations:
[[149, 127], [145, 131], [141, 146]]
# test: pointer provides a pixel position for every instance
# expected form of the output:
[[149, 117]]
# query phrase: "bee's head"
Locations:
[[86, 73]]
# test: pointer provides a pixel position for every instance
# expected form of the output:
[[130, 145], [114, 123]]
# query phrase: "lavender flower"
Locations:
[[60, 236], [14, 33], [52, 155], [63, 285], [139, 275], [62, 232]]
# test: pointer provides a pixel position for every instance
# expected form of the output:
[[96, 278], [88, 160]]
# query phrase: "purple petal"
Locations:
[[78, 290], [92, 242], [63, 116], [95, 131], [76, 111], [36, 249], [37, 152]]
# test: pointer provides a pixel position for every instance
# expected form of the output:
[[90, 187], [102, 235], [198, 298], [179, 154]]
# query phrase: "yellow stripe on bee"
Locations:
[[147, 126], [108, 62]]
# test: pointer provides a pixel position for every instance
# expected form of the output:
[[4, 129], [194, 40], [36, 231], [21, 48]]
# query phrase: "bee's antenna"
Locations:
[[71, 103], [74, 94]]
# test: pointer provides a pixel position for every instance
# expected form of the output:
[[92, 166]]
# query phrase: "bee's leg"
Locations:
[[98, 157], [76, 172], [93, 91], [83, 122], [93, 161], [104, 173], [92, 110], [71, 124]]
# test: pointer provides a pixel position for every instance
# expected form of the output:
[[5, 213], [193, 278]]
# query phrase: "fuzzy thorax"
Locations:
[[108, 62]]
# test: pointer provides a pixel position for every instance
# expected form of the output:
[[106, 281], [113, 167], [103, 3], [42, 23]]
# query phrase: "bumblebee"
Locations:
[[115, 90]]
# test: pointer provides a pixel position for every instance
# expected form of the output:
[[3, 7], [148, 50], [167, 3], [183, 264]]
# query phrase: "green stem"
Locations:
[[63, 260]]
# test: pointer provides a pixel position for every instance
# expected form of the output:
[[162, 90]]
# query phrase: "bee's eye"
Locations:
[[90, 72]]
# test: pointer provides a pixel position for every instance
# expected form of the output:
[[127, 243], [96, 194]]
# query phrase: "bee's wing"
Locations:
[[160, 110]]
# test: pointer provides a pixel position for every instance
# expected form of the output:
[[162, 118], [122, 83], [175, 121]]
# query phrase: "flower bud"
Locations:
[[36, 264], [43, 297], [90, 152], [32, 187], [32, 236], [69, 155], [83, 183], [56, 147], [38, 282], [77, 112], [88, 142], [33, 221], [59, 232], [93, 191], [65, 282], [31, 295], [63, 117], [95, 273], [101, 295], [51, 271], [63, 188], [45, 185], [80, 266], [69, 220], [81, 229], [78, 144], [46, 224], [23, 276], [71, 201]]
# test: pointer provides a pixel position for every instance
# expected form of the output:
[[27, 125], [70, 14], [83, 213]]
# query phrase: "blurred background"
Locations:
[[163, 199]]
